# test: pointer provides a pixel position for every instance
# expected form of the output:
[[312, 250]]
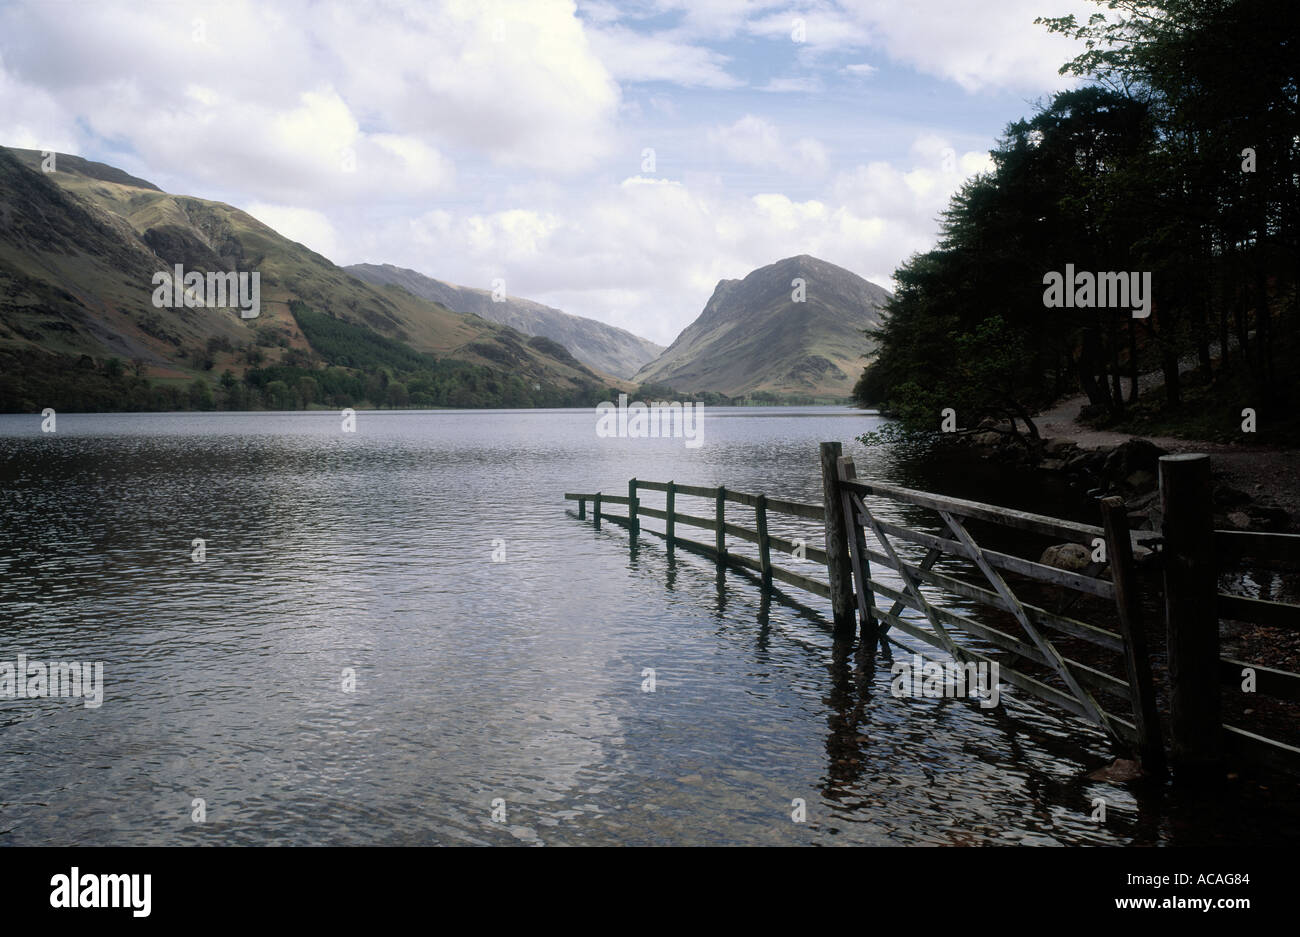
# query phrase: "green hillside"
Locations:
[[78, 329]]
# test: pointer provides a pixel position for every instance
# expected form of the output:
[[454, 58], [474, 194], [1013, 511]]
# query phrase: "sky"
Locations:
[[611, 159]]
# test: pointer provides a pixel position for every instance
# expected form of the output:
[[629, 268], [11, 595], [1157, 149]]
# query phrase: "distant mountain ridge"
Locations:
[[605, 347], [754, 337], [80, 245]]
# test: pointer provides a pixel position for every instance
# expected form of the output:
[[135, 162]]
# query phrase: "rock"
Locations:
[[1227, 496], [1268, 517], [1073, 557], [1240, 520], [1142, 502], [1085, 461], [1052, 465], [1141, 480], [1058, 448], [986, 439], [1121, 769], [1136, 455], [1139, 521]]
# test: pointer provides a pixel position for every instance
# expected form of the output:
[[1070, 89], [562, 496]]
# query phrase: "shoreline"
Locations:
[[1256, 487]]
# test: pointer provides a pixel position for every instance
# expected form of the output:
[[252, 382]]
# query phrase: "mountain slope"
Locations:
[[604, 347], [752, 337], [79, 248]]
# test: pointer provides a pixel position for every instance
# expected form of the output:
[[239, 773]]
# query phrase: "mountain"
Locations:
[[754, 338], [79, 248], [604, 347]]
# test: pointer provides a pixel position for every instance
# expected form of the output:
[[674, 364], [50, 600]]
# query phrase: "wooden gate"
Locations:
[[1069, 684]]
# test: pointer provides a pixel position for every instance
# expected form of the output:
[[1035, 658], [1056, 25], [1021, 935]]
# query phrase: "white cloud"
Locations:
[[802, 85], [276, 93], [309, 228], [753, 141], [975, 45], [637, 56]]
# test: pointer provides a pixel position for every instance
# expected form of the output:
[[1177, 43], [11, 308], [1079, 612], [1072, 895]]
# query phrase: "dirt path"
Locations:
[[1062, 422], [1264, 473]]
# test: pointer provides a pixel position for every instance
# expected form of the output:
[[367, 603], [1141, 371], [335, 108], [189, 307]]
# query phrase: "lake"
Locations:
[[351, 664]]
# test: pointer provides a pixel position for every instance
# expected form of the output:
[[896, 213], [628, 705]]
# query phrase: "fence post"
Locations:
[[1191, 613], [1137, 662], [764, 545], [670, 508], [837, 542], [634, 525], [582, 509], [720, 511], [595, 509], [872, 630]]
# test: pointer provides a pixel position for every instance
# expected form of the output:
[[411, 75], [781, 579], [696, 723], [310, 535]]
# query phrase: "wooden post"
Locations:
[[595, 507], [859, 564], [720, 511], [671, 507], [1137, 662], [764, 545], [582, 509], [633, 524], [1191, 616], [837, 542]]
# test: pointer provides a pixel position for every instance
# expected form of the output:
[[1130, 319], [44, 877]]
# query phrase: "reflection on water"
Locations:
[[475, 679]]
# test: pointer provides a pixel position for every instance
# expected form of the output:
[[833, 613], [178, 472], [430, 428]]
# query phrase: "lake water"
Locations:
[[520, 679]]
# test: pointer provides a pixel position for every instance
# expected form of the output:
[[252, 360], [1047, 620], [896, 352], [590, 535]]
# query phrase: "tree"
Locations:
[[308, 390], [278, 396], [200, 395]]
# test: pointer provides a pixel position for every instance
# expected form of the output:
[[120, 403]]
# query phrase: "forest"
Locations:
[[1177, 157]]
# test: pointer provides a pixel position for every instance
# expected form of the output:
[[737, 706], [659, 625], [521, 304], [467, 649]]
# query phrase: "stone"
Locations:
[[1058, 448], [1073, 557], [1052, 465], [986, 439], [1142, 502], [1139, 521], [1086, 461], [1227, 496], [1141, 480], [1120, 770], [1268, 517], [1136, 455], [1240, 520]]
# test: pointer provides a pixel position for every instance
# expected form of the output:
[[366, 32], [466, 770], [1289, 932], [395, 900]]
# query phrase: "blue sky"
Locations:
[[505, 139]]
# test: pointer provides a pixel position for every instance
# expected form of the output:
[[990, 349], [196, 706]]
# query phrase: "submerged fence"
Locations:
[[1038, 619]]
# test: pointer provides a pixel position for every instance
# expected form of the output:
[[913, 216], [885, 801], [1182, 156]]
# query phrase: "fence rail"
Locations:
[[1124, 705], [759, 535]]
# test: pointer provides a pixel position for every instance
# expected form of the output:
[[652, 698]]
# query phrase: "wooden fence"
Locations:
[[1100, 607], [718, 498]]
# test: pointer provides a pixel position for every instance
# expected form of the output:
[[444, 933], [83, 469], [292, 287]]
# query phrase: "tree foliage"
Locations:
[[1143, 169]]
